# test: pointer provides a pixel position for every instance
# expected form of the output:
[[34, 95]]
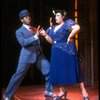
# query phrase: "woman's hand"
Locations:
[[68, 40], [47, 37], [43, 32], [50, 21]]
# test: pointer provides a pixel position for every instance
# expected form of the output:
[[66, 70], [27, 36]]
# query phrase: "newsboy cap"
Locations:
[[23, 13]]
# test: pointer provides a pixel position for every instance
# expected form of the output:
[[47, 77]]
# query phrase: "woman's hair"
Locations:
[[62, 12]]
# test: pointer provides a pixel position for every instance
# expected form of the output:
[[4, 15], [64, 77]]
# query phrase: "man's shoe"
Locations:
[[5, 98], [49, 94]]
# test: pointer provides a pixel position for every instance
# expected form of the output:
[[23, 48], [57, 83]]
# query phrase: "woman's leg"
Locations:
[[84, 92]]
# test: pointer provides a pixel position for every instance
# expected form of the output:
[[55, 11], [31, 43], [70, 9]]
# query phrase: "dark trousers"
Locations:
[[42, 64]]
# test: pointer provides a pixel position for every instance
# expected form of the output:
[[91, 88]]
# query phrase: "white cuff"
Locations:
[[35, 36], [50, 27]]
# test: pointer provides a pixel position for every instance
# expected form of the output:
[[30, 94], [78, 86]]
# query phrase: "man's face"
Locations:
[[26, 20]]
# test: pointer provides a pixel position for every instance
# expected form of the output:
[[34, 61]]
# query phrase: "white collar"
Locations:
[[26, 26]]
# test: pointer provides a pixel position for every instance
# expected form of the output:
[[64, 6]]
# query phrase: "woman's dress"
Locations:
[[64, 65]]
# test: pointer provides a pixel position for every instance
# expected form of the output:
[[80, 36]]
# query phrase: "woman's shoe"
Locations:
[[63, 95], [85, 95], [86, 98]]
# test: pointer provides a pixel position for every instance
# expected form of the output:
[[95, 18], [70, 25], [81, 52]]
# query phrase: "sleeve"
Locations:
[[69, 23], [23, 41], [48, 30]]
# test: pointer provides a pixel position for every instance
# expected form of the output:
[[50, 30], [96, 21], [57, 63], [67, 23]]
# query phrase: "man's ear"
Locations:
[[21, 20]]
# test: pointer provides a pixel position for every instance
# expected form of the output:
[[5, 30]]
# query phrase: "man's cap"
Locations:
[[23, 13]]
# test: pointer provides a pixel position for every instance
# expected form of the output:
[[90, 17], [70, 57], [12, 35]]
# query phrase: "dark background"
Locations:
[[41, 12], [10, 49]]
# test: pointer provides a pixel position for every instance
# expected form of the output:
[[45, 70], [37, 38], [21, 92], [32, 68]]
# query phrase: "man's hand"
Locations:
[[37, 31]]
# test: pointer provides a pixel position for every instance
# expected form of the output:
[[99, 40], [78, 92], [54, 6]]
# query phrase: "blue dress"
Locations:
[[64, 65]]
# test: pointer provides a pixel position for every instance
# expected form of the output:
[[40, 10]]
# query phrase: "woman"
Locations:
[[64, 65]]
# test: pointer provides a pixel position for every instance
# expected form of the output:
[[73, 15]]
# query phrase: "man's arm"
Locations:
[[25, 42]]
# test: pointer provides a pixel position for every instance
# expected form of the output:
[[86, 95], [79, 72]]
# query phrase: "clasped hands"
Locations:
[[41, 31]]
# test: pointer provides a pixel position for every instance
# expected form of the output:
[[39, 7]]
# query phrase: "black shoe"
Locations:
[[49, 94], [86, 98], [5, 98], [60, 97]]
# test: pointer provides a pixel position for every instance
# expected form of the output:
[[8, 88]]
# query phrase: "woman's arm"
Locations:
[[47, 37], [74, 30]]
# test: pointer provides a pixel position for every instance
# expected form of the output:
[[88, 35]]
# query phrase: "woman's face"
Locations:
[[58, 18]]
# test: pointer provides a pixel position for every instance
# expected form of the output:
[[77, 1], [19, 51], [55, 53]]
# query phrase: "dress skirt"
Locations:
[[64, 67]]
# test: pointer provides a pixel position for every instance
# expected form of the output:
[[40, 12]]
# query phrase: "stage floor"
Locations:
[[37, 93]]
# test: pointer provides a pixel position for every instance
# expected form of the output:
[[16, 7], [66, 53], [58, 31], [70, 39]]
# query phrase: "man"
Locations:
[[31, 53]]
